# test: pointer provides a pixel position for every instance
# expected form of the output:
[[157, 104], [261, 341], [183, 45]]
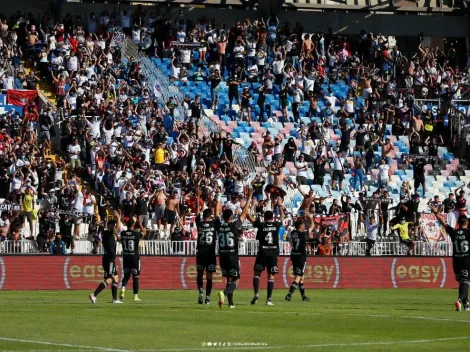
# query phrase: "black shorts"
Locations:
[[298, 264], [338, 174], [131, 264], [268, 262], [461, 270], [419, 182], [169, 216], [230, 266], [109, 268], [206, 262]]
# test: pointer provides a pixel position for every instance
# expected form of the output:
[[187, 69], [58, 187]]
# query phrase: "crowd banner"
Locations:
[[21, 97], [10, 207], [431, 229], [176, 273], [338, 222]]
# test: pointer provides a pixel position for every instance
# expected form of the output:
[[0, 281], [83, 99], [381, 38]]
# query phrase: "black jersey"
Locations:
[[461, 243], [109, 244], [206, 236], [130, 240], [228, 236], [268, 237], [298, 243]]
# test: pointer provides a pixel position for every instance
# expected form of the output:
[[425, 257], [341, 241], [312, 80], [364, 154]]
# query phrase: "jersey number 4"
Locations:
[[269, 238], [128, 245]]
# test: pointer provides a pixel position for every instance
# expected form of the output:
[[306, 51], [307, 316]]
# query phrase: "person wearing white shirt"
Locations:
[[8, 82], [372, 230], [239, 53], [298, 98], [307, 148], [72, 63], [383, 176], [349, 105], [302, 168], [331, 99], [338, 169], [278, 68], [74, 154], [251, 51]]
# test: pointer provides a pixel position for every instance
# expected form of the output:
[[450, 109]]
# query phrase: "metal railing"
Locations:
[[248, 248], [158, 82]]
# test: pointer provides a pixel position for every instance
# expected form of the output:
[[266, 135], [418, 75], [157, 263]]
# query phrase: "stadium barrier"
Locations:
[[86, 272], [247, 248]]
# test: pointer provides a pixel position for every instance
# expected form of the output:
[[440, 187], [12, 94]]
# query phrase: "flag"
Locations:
[[21, 97]]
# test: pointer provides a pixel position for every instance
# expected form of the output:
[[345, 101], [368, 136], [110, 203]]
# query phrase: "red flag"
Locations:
[[21, 97]]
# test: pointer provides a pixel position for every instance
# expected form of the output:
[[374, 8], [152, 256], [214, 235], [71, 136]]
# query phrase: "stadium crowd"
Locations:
[[116, 150]]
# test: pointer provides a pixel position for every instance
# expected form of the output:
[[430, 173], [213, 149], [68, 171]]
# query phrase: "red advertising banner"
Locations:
[[21, 97], [85, 272]]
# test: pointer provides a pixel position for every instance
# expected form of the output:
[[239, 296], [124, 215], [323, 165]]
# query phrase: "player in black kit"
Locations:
[[228, 235], [130, 240], [268, 238], [205, 257], [108, 261], [460, 255], [298, 239]]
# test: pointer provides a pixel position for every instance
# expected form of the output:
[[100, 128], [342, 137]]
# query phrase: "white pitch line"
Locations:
[[48, 343], [353, 344], [348, 314]]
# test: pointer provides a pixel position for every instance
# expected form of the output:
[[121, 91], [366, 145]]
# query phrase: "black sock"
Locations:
[[270, 289], [230, 299], [226, 287], [199, 283], [463, 291], [125, 279], [208, 287], [256, 285], [114, 290], [100, 288], [293, 287], [230, 288], [302, 289], [135, 285]]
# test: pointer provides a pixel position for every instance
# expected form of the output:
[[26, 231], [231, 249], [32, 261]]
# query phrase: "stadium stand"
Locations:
[[120, 87]]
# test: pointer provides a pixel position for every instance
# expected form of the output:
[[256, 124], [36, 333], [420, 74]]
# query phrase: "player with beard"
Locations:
[[207, 228], [130, 240], [460, 255], [268, 237], [108, 261], [228, 236], [298, 239]]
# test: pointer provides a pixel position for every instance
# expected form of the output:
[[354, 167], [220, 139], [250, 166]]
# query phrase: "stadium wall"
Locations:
[[340, 22], [85, 272]]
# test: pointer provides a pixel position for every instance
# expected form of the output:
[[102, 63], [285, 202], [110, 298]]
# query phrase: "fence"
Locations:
[[247, 248]]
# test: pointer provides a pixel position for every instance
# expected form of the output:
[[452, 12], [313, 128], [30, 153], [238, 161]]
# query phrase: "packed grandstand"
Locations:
[[145, 110]]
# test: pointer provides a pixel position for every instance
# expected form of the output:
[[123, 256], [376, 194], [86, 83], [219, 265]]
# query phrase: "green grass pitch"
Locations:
[[333, 320]]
